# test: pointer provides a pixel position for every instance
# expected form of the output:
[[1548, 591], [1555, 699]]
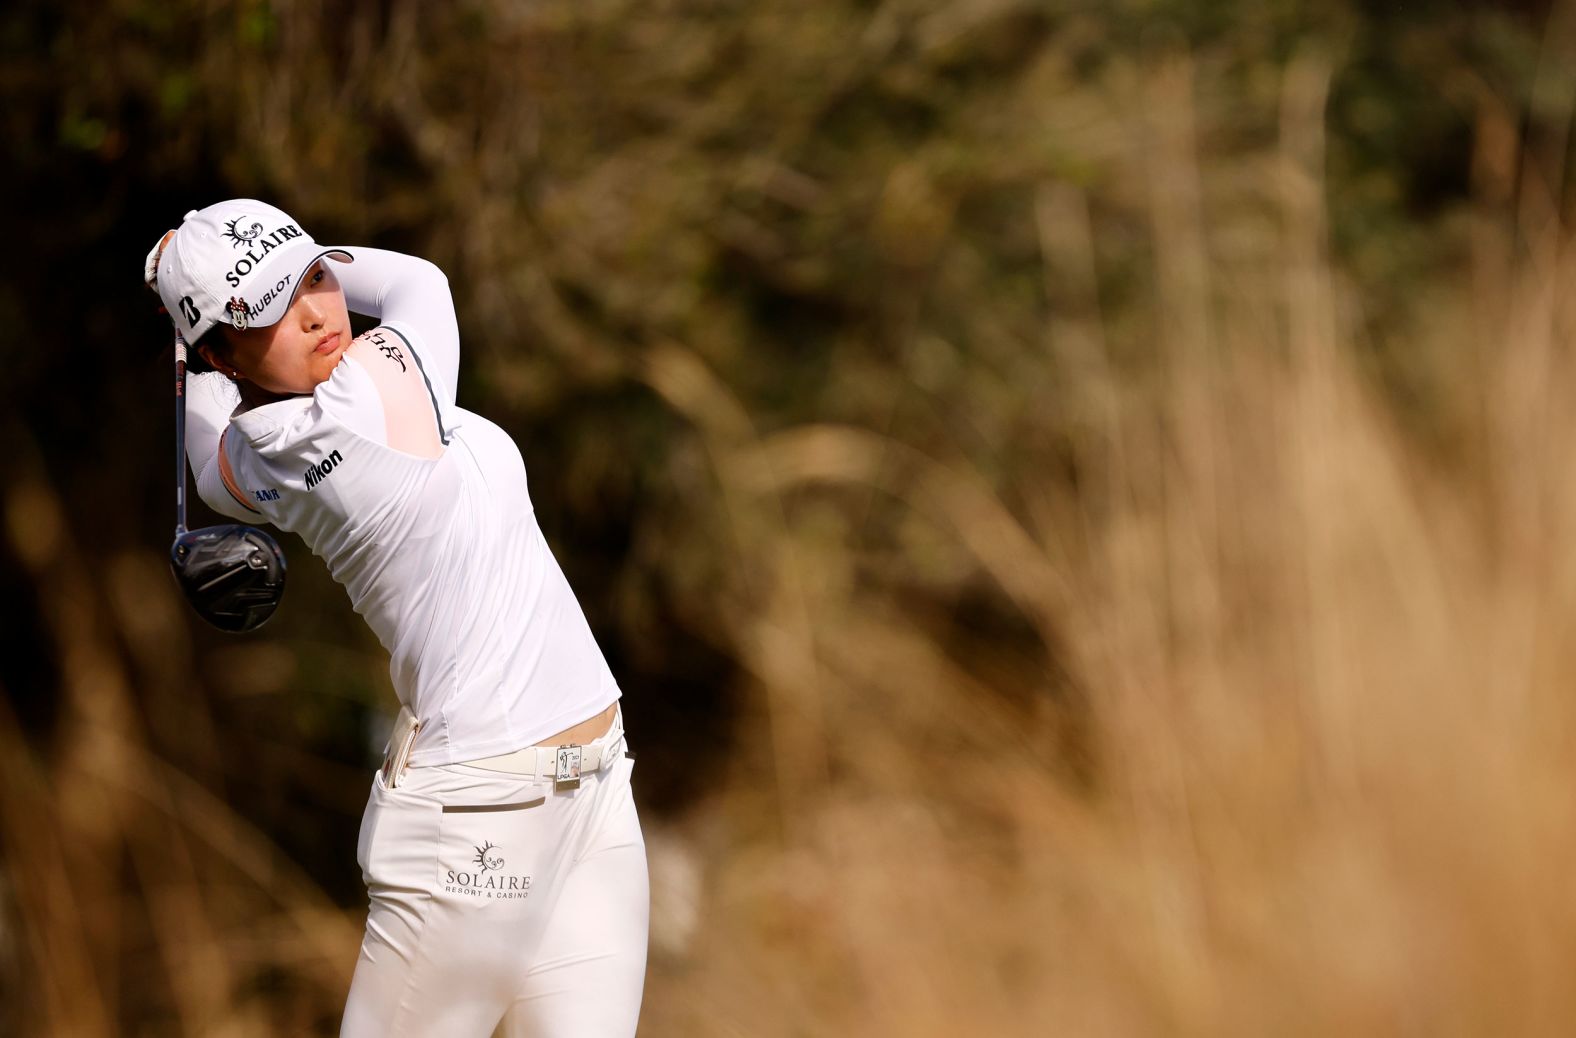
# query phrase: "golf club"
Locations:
[[234, 576]]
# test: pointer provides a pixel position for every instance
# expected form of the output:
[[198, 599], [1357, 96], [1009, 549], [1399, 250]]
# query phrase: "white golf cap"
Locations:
[[239, 262]]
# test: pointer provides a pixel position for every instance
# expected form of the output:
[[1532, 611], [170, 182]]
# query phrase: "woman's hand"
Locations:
[[150, 266]]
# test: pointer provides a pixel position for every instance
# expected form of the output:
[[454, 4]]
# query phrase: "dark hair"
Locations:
[[214, 339]]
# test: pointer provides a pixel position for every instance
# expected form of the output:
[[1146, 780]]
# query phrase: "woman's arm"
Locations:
[[394, 287], [210, 401]]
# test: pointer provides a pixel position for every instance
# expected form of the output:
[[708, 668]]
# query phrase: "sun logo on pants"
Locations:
[[487, 859]]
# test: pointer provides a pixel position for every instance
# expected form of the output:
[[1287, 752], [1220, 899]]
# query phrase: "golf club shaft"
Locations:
[[180, 434]]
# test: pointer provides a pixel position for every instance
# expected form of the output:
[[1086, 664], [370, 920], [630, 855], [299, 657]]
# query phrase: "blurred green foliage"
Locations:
[[833, 205]]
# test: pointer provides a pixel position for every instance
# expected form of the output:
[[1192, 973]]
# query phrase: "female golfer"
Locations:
[[500, 846]]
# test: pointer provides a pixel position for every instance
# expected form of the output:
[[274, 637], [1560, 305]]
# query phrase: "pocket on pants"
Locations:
[[398, 832], [490, 856]]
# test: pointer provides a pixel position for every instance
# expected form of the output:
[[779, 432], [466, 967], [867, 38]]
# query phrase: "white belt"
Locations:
[[563, 764]]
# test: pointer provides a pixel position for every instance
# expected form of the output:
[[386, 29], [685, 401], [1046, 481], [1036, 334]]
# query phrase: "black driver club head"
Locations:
[[234, 576]]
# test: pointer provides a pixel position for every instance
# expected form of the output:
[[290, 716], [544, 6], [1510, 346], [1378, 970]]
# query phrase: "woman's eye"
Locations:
[[317, 276]]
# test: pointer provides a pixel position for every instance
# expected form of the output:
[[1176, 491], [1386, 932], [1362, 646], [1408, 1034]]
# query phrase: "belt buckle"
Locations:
[[568, 776]]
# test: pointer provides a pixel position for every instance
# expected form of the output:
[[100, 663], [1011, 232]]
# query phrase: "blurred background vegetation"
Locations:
[[1076, 497]]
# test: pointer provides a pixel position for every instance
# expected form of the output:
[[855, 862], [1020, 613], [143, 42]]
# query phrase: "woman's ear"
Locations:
[[224, 369]]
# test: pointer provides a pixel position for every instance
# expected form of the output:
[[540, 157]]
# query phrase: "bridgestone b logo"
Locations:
[[315, 474]]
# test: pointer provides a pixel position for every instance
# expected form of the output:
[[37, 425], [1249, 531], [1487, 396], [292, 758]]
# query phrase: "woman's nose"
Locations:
[[311, 312]]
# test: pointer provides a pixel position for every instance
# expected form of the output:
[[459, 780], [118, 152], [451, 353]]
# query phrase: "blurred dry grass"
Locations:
[[1324, 675], [1278, 741]]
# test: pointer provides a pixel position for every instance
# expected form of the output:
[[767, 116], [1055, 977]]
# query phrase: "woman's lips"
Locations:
[[327, 343]]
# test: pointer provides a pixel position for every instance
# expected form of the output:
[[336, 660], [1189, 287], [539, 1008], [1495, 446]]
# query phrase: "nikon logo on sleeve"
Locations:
[[315, 474]]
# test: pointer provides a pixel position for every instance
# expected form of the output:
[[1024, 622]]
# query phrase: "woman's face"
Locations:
[[298, 352]]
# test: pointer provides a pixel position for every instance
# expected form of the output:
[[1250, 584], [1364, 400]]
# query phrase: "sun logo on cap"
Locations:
[[239, 236], [489, 861]]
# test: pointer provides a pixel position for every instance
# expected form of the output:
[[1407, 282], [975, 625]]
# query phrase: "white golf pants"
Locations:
[[499, 901]]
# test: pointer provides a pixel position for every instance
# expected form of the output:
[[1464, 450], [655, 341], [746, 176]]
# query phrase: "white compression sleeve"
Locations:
[[394, 287], [210, 401]]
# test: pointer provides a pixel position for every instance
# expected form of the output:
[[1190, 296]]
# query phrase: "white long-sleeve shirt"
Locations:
[[421, 510]]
